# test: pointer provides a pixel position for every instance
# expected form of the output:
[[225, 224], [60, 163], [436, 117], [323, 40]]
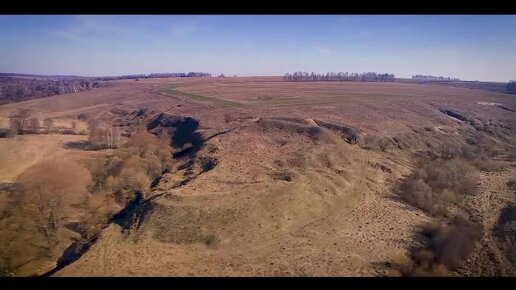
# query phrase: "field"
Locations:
[[284, 178]]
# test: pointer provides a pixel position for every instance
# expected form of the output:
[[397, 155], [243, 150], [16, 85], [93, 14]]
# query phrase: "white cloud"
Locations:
[[323, 51]]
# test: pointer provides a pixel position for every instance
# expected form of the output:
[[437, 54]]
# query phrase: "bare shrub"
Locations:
[[445, 247], [436, 185], [410, 141], [505, 230], [228, 118], [374, 142], [489, 165], [512, 183]]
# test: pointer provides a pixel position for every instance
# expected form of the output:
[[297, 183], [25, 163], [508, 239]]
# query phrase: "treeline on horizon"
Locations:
[[339, 76], [157, 75], [511, 86], [20, 87], [433, 78], [16, 89]]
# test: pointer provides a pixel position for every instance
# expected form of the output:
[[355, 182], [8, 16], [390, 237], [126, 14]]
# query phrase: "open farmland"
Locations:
[[272, 178]]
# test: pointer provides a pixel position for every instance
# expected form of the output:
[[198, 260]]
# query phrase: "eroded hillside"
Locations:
[[250, 177]]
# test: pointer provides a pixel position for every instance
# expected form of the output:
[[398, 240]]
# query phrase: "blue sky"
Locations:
[[467, 47]]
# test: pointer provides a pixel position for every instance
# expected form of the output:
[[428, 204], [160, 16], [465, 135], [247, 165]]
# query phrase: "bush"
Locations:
[[133, 168], [438, 184], [373, 142], [6, 133], [445, 247], [505, 231], [512, 183]]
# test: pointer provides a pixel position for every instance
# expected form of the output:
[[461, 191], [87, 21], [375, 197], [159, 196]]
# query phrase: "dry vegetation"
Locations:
[[51, 194], [254, 176], [58, 201], [133, 168], [436, 185], [444, 247]]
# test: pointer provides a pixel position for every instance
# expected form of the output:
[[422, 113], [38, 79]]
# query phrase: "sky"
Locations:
[[468, 47]]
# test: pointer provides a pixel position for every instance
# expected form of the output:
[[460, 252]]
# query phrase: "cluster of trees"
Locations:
[[32, 229], [157, 75], [511, 86], [135, 166], [104, 135], [339, 76], [57, 196], [16, 89], [22, 123], [433, 78]]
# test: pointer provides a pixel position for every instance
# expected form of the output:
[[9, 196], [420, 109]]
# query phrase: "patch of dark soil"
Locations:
[[5, 133], [314, 133], [463, 117], [284, 175], [348, 133], [455, 114], [207, 163], [8, 186]]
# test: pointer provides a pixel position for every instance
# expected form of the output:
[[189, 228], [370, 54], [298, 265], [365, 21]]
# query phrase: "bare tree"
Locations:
[[74, 126], [34, 125], [18, 121], [49, 124], [48, 192], [93, 125]]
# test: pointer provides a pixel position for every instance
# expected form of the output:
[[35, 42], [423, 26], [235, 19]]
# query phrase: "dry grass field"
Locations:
[[274, 178]]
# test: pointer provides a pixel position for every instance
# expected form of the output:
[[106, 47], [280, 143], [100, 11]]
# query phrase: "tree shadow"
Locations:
[[82, 145]]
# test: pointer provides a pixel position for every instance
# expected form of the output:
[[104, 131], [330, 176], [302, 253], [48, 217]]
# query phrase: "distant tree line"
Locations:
[[511, 86], [20, 89], [339, 76], [433, 78], [156, 75]]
